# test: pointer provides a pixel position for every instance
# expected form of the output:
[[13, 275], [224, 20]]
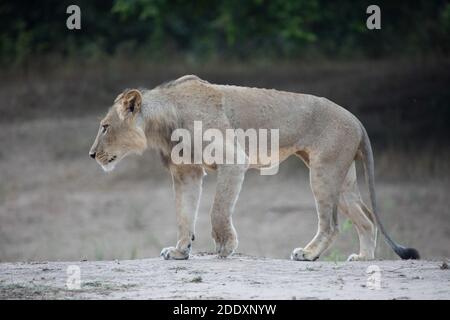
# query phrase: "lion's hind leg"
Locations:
[[351, 204], [327, 173]]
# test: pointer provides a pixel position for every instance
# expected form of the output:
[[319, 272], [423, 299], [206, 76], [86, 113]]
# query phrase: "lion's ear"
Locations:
[[130, 103]]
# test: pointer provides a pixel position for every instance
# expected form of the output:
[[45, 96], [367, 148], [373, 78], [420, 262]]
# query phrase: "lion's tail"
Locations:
[[367, 155]]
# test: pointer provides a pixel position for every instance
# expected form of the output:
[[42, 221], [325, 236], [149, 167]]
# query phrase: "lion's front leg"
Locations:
[[229, 182], [187, 185]]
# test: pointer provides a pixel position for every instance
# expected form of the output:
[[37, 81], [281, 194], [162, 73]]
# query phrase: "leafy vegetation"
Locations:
[[227, 29]]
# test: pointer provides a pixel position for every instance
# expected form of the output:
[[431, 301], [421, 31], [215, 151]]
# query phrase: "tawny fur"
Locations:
[[324, 135]]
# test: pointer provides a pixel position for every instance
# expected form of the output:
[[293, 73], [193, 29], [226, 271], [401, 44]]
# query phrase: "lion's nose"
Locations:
[[92, 155]]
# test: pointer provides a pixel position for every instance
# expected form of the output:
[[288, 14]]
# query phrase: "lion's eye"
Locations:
[[104, 128]]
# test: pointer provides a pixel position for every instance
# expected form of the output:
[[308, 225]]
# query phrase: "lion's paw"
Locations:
[[172, 253], [224, 249], [358, 257], [300, 254]]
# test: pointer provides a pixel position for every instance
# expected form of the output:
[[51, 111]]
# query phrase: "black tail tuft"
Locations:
[[407, 253]]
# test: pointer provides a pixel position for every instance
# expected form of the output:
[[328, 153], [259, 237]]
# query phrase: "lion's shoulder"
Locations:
[[181, 80]]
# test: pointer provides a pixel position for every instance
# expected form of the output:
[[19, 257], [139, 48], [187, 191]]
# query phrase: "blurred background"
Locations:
[[55, 84]]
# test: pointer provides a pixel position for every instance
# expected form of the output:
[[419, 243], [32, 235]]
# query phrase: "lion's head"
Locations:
[[121, 131]]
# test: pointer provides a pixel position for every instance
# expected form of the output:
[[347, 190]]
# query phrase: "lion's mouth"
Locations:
[[112, 159], [107, 162], [108, 166]]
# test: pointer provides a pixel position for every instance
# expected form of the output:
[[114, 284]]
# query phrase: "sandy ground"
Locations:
[[239, 277]]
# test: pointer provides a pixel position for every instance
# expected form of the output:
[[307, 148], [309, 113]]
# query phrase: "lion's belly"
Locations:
[[283, 154]]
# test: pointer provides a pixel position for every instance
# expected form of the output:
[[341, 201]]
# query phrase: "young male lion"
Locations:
[[324, 135]]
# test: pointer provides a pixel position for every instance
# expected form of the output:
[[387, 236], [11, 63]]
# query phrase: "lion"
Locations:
[[325, 136]]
